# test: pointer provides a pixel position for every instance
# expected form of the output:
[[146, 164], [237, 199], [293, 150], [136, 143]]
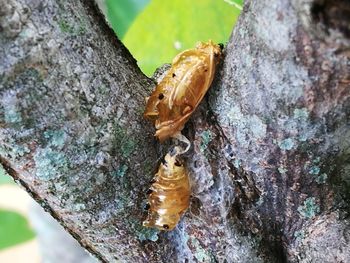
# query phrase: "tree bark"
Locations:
[[271, 144]]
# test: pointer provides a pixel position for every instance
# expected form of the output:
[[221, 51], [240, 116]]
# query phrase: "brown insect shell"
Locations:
[[170, 195], [182, 89]]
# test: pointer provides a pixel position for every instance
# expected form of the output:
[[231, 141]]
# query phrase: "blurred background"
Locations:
[[154, 31]]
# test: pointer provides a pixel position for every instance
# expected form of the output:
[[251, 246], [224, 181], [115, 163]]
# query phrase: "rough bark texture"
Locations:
[[271, 143]]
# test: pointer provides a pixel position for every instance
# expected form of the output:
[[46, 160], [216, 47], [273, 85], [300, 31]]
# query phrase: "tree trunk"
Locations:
[[271, 143]]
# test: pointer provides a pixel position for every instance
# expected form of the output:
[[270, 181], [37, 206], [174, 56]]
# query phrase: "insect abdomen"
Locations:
[[170, 196]]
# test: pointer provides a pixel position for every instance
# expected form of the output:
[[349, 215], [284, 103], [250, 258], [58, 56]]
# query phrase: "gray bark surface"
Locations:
[[269, 164]]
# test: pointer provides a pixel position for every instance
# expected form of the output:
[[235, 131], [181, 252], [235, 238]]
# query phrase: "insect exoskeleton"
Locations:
[[170, 193], [182, 89]]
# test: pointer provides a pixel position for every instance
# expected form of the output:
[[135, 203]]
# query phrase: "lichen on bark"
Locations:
[[71, 130]]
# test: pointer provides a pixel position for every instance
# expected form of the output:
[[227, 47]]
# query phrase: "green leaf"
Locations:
[[121, 13], [14, 229], [4, 177], [165, 28]]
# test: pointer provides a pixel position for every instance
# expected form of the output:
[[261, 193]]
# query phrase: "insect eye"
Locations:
[[165, 226], [161, 96], [174, 75]]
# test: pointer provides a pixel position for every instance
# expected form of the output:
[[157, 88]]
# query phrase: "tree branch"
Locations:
[[282, 103], [269, 166], [71, 127]]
